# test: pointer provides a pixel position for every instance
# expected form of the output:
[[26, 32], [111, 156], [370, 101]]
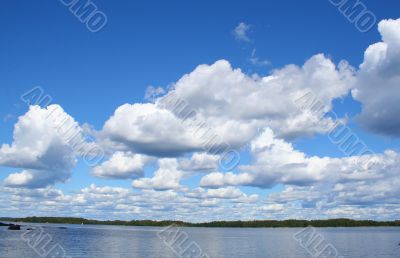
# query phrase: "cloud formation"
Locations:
[[39, 148], [378, 82], [166, 177], [122, 165], [255, 114], [231, 105], [199, 162]]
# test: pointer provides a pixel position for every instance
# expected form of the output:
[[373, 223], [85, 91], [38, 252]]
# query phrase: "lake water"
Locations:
[[119, 241]]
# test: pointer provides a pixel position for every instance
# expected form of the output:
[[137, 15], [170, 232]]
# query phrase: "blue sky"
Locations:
[[155, 43]]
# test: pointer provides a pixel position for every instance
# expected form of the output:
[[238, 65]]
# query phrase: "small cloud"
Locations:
[[240, 32], [8, 117], [254, 60], [153, 92]]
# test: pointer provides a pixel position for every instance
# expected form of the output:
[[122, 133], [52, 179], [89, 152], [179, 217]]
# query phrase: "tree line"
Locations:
[[251, 224]]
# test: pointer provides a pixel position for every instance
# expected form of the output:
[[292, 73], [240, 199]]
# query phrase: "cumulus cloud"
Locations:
[[218, 179], [199, 162], [235, 104], [167, 176], [231, 193], [228, 107], [343, 189], [40, 148], [122, 165], [277, 162], [33, 178], [146, 128], [224, 193], [378, 82]]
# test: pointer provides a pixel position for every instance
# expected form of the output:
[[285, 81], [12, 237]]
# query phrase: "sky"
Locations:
[[200, 110]]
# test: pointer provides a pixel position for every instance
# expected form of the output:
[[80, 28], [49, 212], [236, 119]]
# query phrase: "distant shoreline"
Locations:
[[217, 224]]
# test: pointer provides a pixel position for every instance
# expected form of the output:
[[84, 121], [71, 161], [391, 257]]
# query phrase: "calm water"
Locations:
[[117, 241]]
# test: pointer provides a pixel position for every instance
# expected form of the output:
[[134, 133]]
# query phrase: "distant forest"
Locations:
[[249, 224]]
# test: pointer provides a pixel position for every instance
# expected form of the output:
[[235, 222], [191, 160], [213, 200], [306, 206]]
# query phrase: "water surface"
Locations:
[[121, 241]]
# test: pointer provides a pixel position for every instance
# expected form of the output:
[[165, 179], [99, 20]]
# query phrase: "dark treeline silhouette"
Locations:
[[251, 224]]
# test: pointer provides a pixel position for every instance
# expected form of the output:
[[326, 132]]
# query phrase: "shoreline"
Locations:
[[328, 223]]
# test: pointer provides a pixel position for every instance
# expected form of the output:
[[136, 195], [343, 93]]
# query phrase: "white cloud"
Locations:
[[39, 149], [199, 162], [122, 165], [378, 82], [166, 177], [275, 161], [224, 193], [218, 179], [350, 194], [228, 107], [275, 207], [235, 194], [104, 192], [146, 128], [33, 178], [235, 105], [241, 32]]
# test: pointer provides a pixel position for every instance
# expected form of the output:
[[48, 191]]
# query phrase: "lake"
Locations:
[[120, 241]]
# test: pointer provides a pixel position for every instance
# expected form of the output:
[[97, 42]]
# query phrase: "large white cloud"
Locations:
[[216, 104], [378, 82], [40, 147], [223, 94], [226, 97], [146, 128]]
